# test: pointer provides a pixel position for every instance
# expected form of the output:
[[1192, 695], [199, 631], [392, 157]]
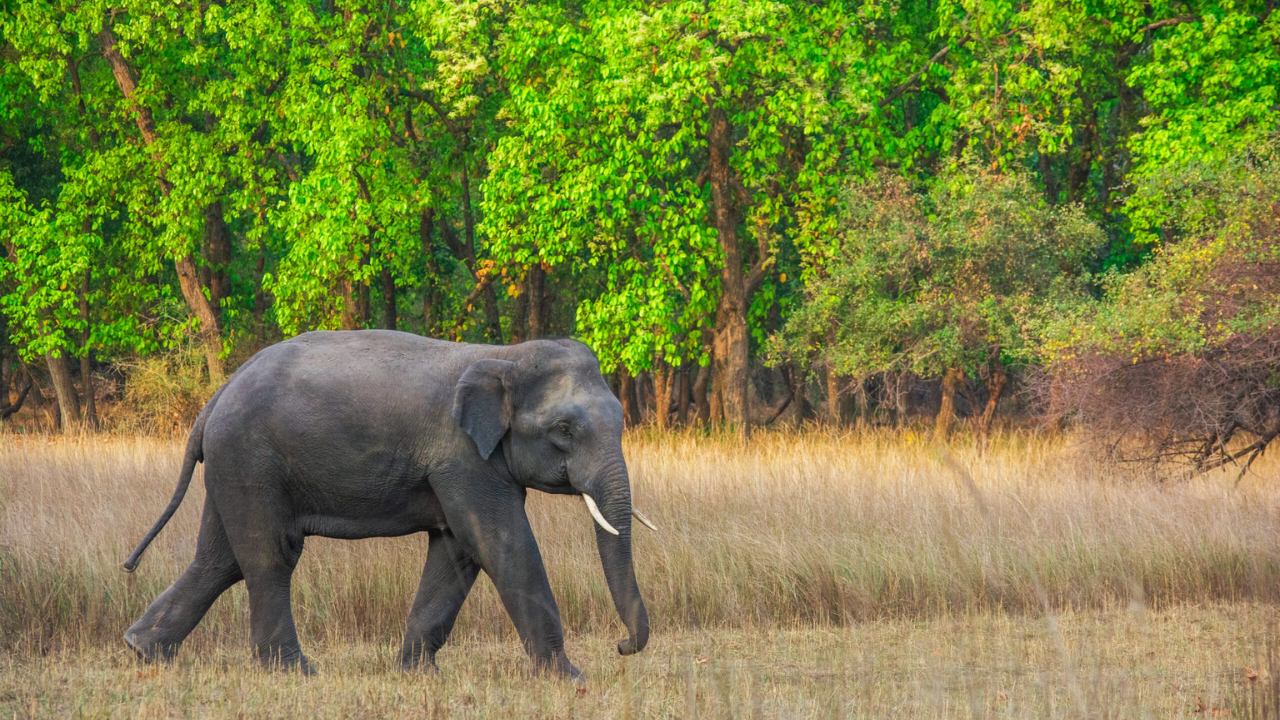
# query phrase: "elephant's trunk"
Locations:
[[610, 489]]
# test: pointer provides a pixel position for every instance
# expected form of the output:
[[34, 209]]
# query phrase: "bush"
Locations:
[[1181, 359], [163, 394]]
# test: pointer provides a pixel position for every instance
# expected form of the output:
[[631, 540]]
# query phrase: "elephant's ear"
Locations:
[[481, 404]]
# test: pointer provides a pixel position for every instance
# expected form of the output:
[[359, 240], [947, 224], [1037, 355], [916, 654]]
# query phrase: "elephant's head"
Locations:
[[560, 431]]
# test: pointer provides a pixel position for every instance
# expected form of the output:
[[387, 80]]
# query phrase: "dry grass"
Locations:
[[1099, 665], [819, 575]]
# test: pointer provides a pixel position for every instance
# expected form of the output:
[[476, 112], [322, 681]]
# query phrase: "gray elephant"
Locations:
[[376, 434]]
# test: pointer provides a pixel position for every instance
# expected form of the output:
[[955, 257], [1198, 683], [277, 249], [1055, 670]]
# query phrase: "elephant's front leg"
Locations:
[[509, 554], [447, 577]]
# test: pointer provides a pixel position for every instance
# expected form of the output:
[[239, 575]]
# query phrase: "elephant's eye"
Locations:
[[560, 435]]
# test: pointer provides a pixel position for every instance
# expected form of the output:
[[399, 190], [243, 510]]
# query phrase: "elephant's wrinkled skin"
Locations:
[[378, 433]]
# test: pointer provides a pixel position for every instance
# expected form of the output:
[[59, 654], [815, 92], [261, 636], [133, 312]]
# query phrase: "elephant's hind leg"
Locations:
[[267, 540], [159, 633], [268, 561], [447, 577]]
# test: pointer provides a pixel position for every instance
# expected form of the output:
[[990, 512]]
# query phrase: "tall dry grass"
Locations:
[[790, 530]]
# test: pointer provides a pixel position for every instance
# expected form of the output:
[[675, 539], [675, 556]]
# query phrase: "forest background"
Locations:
[[754, 212]]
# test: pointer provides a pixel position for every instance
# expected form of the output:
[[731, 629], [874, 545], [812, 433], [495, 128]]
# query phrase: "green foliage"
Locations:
[[311, 161], [1211, 286], [46, 260], [939, 280], [1214, 89]]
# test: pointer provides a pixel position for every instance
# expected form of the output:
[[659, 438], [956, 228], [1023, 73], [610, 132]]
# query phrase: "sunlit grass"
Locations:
[[799, 564], [1099, 664]]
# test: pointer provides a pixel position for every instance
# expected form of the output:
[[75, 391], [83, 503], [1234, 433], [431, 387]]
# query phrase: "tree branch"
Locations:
[[764, 261], [11, 408], [1166, 23], [781, 406], [485, 279], [435, 105], [937, 57]]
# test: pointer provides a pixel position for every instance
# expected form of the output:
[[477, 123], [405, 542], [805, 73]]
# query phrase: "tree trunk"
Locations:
[[188, 277], [492, 317], [800, 405], [347, 317], [900, 389], [731, 342], [355, 301], [68, 402], [627, 396], [364, 308], [835, 401], [86, 359], [484, 285], [863, 399], [535, 285], [644, 395], [9, 406], [210, 332], [947, 413], [682, 396], [124, 79], [491, 314], [995, 389], [716, 399], [701, 403], [431, 293], [663, 377], [260, 295], [217, 254], [388, 298], [40, 403], [520, 313], [1046, 177], [1078, 175], [788, 395], [835, 415]]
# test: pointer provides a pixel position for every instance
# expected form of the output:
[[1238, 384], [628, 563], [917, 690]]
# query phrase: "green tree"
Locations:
[[676, 146], [941, 283]]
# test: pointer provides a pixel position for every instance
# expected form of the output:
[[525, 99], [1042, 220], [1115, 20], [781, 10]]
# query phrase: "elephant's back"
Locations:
[[365, 388]]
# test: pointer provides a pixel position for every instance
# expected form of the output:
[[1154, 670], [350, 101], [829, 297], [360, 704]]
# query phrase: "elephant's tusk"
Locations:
[[595, 513], [640, 516]]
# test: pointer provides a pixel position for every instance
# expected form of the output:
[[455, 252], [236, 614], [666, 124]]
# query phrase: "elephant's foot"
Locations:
[[150, 645], [304, 666], [286, 661], [559, 666], [419, 662]]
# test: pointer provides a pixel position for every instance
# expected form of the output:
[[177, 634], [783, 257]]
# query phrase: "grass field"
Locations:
[[802, 575]]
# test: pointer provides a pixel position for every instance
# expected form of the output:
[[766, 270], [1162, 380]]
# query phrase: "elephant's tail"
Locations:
[[194, 454]]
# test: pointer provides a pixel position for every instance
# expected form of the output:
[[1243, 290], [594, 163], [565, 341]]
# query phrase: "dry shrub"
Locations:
[[163, 394], [1214, 408], [1181, 360]]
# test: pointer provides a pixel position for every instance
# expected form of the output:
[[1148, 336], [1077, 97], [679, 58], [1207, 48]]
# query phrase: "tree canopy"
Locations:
[[687, 186]]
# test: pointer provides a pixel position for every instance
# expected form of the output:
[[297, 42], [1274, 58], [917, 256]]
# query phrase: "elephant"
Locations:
[[378, 433]]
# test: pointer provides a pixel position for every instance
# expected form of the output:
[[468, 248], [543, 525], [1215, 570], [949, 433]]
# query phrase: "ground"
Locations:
[[807, 575], [1127, 662]]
